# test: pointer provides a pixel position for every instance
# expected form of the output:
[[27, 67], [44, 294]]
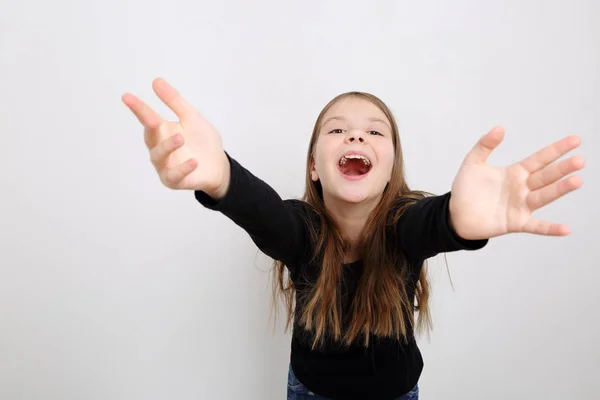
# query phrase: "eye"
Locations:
[[336, 131], [375, 133]]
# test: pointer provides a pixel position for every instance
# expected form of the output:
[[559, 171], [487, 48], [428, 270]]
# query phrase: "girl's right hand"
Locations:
[[187, 154]]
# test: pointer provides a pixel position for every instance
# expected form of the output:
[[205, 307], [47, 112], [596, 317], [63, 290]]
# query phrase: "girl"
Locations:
[[354, 246]]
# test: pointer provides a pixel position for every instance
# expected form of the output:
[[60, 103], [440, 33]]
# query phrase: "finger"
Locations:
[[160, 152], [538, 227], [172, 99], [149, 118], [550, 153], [549, 193], [484, 146], [173, 176], [554, 172]]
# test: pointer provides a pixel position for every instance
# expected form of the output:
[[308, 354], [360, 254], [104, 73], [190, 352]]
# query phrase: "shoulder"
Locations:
[[308, 221], [300, 205], [296, 203], [303, 211], [405, 200]]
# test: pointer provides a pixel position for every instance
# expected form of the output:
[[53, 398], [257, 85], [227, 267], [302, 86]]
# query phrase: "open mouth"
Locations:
[[354, 165]]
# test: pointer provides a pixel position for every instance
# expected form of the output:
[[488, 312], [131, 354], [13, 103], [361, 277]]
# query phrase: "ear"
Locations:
[[314, 175]]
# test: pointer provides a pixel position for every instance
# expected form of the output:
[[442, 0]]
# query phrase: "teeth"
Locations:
[[344, 159]]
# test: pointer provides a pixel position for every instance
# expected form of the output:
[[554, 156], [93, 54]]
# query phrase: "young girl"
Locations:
[[354, 246]]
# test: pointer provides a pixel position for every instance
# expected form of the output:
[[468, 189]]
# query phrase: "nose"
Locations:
[[355, 136]]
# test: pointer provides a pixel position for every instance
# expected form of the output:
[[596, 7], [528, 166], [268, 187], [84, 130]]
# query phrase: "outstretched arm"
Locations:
[[425, 229], [188, 155], [486, 201], [276, 226]]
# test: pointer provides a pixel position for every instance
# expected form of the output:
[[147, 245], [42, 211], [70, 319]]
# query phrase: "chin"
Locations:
[[354, 196], [351, 191]]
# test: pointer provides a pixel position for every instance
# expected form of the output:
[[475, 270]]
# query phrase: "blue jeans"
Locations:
[[297, 391]]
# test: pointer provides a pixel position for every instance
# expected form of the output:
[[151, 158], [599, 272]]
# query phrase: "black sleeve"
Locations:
[[424, 229], [276, 226]]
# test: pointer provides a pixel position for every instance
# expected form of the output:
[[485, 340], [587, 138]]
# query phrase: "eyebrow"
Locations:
[[372, 119]]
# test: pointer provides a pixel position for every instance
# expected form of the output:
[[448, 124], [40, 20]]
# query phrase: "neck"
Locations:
[[351, 217]]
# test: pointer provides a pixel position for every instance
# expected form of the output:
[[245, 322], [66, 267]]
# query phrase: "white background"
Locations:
[[114, 287]]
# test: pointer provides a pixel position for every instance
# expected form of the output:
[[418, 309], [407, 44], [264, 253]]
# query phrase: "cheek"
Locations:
[[318, 163], [323, 154], [387, 161]]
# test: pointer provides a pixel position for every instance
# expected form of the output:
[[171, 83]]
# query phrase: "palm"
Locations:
[[492, 201], [187, 154], [202, 144]]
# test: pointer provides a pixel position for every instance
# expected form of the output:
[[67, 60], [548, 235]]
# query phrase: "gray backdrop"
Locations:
[[114, 287]]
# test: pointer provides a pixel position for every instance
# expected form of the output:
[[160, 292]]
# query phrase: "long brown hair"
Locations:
[[381, 306]]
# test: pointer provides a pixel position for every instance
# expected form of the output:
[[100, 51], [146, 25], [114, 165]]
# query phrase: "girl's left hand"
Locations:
[[491, 201]]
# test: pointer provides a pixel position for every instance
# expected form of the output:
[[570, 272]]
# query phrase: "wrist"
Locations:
[[220, 191], [451, 214]]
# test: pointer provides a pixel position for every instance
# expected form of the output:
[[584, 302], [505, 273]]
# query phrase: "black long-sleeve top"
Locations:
[[387, 368]]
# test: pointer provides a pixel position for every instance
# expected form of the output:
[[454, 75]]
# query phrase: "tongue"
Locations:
[[354, 167]]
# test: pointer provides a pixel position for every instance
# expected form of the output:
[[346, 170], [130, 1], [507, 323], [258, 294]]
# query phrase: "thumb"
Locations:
[[483, 148]]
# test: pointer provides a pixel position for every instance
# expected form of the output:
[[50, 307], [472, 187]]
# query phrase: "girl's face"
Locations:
[[354, 153]]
